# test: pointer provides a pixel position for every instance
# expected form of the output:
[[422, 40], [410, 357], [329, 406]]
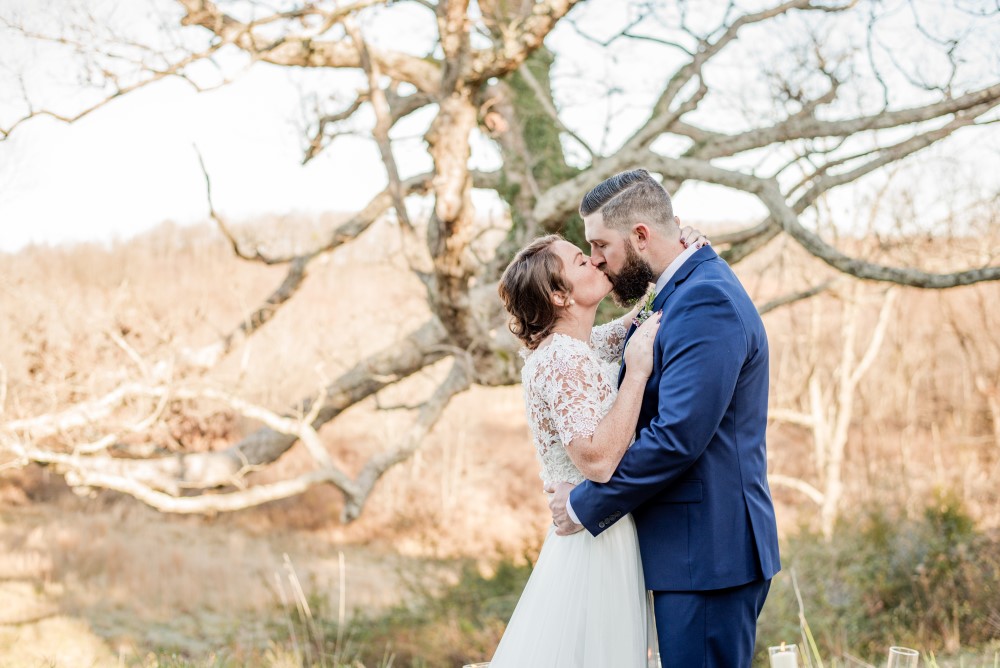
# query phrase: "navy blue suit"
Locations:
[[695, 479]]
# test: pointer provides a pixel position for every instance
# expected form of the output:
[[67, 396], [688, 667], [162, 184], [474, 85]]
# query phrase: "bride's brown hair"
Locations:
[[526, 289]]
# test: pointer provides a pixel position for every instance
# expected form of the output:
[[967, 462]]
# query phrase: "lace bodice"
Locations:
[[569, 387]]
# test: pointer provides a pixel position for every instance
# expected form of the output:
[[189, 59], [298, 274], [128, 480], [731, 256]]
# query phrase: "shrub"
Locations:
[[931, 582]]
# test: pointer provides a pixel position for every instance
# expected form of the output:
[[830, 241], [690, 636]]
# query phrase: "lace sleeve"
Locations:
[[571, 392], [609, 340]]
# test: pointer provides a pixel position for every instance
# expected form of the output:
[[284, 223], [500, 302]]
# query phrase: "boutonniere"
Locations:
[[646, 310]]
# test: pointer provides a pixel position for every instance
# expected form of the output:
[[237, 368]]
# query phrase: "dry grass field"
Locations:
[[100, 579]]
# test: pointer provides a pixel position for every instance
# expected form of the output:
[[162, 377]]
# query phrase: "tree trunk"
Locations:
[[530, 144]]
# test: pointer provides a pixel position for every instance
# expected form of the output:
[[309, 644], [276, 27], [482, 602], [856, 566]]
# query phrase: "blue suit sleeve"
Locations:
[[702, 346]]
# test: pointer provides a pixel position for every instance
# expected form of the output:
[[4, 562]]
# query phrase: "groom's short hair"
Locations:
[[628, 198]]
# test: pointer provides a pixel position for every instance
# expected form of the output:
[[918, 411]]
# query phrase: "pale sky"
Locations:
[[132, 164]]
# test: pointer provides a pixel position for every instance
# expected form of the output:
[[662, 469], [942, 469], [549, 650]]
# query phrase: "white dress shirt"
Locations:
[[661, 283]]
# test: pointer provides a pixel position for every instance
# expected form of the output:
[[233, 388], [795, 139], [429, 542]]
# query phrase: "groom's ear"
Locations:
[[641, 234]]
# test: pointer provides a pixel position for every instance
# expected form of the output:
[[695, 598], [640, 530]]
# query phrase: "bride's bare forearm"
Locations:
[[597, 457]]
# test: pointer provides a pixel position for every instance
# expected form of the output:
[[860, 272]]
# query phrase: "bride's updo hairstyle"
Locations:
[[526, 289]]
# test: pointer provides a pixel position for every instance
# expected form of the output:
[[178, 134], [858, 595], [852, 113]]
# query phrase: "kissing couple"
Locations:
[[650, 434]]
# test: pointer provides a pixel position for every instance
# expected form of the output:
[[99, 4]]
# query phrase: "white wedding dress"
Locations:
[[585, 604]]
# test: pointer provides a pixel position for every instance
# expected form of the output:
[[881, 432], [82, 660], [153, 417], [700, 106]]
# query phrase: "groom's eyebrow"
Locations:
[[578, 256]]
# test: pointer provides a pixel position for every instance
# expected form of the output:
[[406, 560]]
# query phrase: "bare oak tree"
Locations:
[[493, 73]]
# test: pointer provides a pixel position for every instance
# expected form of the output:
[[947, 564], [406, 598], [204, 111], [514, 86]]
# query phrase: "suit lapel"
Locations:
[[681, 275]]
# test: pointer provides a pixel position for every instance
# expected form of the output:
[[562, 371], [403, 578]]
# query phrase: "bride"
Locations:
[[585, 604]]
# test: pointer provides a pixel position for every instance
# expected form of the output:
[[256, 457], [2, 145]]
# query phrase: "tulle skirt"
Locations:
[[585, 606]]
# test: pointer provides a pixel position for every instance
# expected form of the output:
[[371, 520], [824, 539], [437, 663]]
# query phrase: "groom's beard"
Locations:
[[630, 284]]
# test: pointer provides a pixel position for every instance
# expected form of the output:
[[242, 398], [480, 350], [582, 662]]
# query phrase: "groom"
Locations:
[[695, 479]]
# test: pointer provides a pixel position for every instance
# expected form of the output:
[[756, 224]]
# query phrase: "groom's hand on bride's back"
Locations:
[[557, 504]]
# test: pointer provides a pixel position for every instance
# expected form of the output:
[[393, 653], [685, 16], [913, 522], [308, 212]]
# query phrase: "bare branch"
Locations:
[[791, 417], [80, 415], [201, 504], [304, 51], [737, 252], [301, 428], [458, 380], [320, 140], [885, 156], [749, 240], [330, 17], [627, 32], [207, 356], [772, 198], [768, 191], [227, 467], [155, 75], [720, 144], [383, 123], [130, 352], [520, 38], [657, 40], [809, 107], [224, 227], [400, 106], [795, 297], [361, 221], [563, 199], [546, 102], [741, 236], [798, 485], [113, 438], [158, 482], [661, 118], [878, 336]]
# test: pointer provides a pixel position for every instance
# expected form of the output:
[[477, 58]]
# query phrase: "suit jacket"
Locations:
[[695, 479]]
